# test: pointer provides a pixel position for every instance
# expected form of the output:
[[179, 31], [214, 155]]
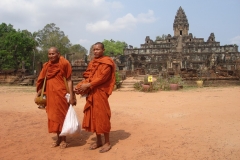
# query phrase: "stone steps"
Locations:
[[128, 84]]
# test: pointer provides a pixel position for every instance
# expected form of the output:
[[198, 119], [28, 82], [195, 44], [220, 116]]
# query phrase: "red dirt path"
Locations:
[[191, 124]]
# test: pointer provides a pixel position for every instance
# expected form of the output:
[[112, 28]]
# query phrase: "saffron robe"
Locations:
[[57, 105], [97, 113]]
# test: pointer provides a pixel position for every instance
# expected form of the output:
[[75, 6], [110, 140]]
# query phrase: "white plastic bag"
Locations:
[[71, 125]]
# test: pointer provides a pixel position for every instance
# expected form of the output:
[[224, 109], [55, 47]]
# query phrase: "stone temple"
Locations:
[[182, 54]]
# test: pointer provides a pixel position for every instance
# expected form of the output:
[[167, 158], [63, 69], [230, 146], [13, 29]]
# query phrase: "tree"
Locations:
[[114, 47], [78, 51], [4, 29], [23, 47], [16, 47], [50, 36]]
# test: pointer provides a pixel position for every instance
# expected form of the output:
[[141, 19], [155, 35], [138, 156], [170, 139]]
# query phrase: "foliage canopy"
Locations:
[[114, 47], [22, 48], [16, 47]]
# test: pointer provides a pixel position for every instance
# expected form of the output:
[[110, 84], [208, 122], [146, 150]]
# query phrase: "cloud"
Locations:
[[235, 40], [83, 41], [35, 13], [71, 16], [126, 22], [146, 17]]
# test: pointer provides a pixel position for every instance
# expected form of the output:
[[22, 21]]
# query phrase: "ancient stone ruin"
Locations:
[[78, 67], [17, 76], [182, 54]]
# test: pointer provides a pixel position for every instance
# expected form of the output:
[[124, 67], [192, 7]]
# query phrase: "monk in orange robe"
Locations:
[[57, 106], [98, 85]]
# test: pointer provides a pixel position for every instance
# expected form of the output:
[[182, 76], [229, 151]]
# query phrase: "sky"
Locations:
[[86, 22]]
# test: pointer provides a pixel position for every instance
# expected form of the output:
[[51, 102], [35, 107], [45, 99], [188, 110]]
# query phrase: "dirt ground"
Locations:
[[189, 124]]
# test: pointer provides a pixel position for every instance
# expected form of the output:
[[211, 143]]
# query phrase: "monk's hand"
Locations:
[[37, 95], [39, 92], [72, 101], [84, 87], [76, 90]]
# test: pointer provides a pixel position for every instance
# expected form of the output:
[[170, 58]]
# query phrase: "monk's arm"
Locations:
[[39, 84], [41, 77], [70, 87], [103, 76]]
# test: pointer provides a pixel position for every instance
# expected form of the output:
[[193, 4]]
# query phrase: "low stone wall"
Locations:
[[213, 83], [16, 80], [8, 79]]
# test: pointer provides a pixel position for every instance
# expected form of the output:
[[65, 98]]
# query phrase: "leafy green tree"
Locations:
[[50, 36], [78, 51], [16, 48], [4, 29], [114, 47]]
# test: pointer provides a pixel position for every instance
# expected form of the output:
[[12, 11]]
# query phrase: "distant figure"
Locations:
[[57, 106], [98, 86]]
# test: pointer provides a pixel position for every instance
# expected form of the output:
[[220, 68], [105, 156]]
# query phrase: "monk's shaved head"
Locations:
[[54, 48], [100, 43], [53, 55]]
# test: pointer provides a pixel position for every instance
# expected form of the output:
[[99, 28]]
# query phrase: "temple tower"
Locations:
[[180, 25]]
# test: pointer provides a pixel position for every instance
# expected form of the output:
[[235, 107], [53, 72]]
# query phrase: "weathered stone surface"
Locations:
[[182, 52]]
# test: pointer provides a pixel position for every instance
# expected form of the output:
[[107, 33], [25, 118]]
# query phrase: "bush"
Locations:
[[163, 83], [153, 87], [117, 80], [137, 86], [160, 84], [175, 80]]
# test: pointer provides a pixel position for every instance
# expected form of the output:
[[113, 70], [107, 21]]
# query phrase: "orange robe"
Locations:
[[101, 75], [57, 105]]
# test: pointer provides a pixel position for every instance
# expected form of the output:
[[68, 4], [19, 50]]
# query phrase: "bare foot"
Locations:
[[63, 145], [105, 148], [56, 143], [95, 145]]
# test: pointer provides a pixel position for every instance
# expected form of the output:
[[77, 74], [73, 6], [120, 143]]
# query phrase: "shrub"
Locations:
[[138, 86], [163, 83], [175, 80], [117, 79]]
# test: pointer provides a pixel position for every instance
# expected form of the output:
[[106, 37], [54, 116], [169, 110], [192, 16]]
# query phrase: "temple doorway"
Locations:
[[176, 68]]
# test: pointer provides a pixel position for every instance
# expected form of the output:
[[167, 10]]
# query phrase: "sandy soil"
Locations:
[[195, 124]]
